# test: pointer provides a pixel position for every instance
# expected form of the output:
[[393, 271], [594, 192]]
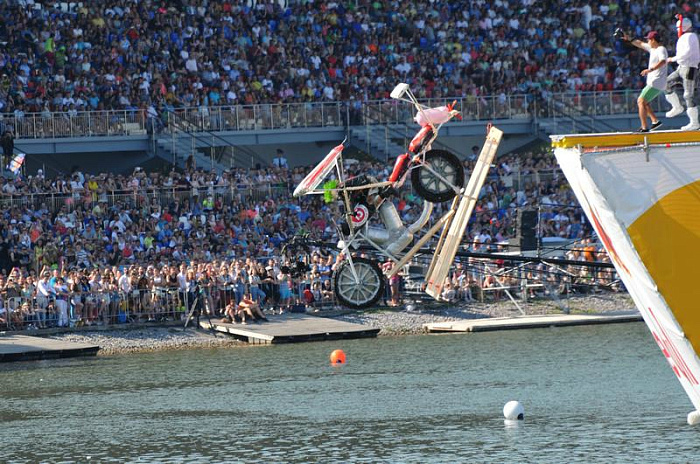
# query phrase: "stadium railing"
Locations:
[[163, 196], [76, 124], [250, 191], [314, 114]]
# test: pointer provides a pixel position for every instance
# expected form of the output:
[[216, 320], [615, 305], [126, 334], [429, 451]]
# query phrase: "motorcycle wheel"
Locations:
[[431, 187], [359, 294]]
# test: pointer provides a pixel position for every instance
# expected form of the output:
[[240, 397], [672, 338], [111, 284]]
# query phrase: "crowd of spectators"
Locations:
[[149, 240], [156, 55]]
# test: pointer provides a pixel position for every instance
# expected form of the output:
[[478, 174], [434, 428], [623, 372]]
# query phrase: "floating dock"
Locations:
[[532, 322], [291, 328], [26, 348]]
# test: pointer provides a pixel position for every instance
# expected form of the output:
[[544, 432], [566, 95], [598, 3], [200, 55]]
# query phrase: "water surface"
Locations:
[[591, 394]]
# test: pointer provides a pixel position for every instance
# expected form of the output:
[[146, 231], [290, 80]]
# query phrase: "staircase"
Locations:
[[567, 119], [176, 147], [376, 141], [184, 139]]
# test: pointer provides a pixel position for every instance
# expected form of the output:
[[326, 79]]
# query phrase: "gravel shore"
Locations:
[[147, 339], [408, 319]]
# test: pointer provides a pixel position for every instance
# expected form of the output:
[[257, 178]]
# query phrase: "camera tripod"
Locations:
[[201, 297]]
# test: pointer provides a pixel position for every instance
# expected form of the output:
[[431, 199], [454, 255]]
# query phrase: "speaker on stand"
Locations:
[[526, 230]]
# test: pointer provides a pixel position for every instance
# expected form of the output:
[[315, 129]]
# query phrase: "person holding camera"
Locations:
[[656, 77], [687, 57]]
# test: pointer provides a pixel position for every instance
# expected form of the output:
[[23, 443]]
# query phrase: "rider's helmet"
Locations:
[[683, 25]]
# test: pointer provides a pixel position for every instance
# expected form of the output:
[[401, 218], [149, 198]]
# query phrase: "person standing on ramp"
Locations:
[[687, 57], [656, 77]]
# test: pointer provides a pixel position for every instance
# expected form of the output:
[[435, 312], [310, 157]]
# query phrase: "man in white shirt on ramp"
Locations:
[[656, 77], [688, 58]]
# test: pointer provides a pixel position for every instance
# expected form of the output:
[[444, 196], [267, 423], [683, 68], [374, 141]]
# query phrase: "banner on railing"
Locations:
[[16, 163]]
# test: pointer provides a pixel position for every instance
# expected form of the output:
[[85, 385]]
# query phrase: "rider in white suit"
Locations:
[[687, 57]]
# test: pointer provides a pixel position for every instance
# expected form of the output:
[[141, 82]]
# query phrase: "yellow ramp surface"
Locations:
[[666, 238], [624, 139]]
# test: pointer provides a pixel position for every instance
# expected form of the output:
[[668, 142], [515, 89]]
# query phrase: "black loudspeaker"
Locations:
[[527, 220], [526, 230]]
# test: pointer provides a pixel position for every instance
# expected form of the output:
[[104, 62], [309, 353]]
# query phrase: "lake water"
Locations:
[[591, 394]]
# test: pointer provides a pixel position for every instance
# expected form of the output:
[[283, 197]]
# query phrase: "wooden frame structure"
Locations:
[[453, 230]]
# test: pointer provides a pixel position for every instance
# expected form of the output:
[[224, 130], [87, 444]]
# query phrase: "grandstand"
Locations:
[[199, 98], [163, 81]]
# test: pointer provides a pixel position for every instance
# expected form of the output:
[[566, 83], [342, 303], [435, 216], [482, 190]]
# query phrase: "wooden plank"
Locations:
[[410, 253], [533, 322], [447, 250], [291, 327], [25, 348], [624, 139], [443, 235]]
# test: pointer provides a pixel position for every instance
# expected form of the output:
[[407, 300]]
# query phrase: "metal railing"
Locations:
[[316, 114], [244, 190], [143, 197], [78, 124], [107, 307], [66, 309], [480, 279], [180, 125]]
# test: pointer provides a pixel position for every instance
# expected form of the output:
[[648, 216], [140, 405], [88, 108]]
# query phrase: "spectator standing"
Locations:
[[394, 283], [8, 146], [76, 299], [687, 57], [5, 263], [285, 286], [656, 75], [43, 298], [61, 290], [190, 164], [254, 282], [280, 161], [239, 282]]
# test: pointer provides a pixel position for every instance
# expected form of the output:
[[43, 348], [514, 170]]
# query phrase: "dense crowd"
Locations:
[[147, 244], [156, 55], [241, 213]]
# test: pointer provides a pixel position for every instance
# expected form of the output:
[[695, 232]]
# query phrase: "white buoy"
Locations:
[[694, 418], [513, 410]]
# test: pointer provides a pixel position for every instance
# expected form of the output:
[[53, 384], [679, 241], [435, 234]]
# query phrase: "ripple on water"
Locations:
[[404, 399]]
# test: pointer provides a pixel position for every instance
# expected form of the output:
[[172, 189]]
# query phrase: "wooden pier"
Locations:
[[533, 322], [26, 348], [291, 328]]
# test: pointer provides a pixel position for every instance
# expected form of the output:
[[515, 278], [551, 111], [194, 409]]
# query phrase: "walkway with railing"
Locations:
[[315, 114], [161, 195]]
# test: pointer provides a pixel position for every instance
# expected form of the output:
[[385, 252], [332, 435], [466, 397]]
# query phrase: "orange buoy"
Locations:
[[337, 357]]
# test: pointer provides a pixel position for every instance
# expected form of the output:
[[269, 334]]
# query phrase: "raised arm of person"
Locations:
[[636, 42]]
